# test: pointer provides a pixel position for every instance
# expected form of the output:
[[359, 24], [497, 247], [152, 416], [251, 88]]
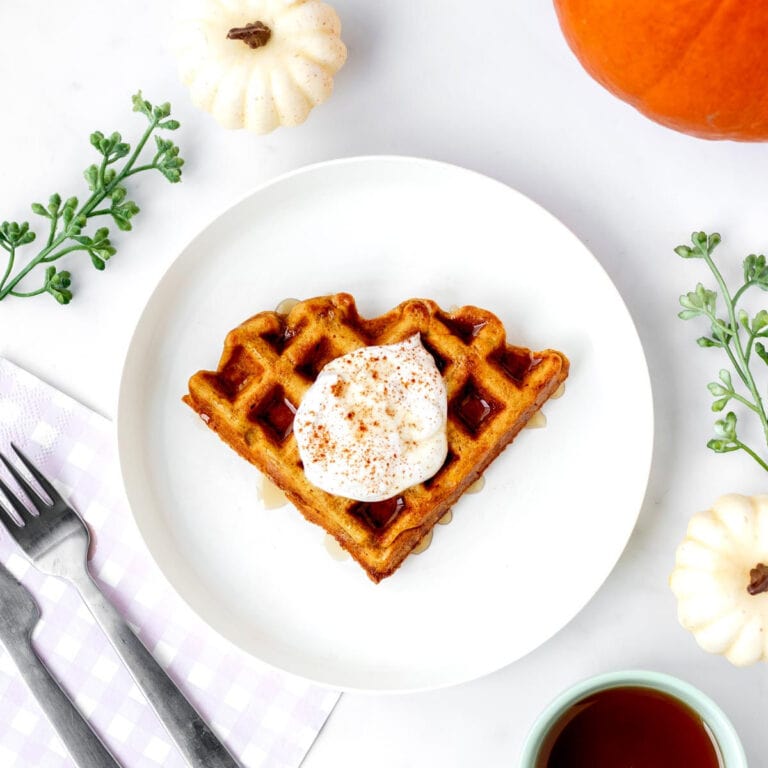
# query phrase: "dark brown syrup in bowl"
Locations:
[[629, 727]]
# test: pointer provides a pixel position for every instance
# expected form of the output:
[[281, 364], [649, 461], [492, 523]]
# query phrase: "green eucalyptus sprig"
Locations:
[[108, 197], [738, 334]]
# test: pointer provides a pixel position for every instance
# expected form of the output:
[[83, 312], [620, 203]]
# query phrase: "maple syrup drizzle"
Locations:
[[285, 306], [517, 364], [378, 514], [446, 518], [440, 362], [236, 373], [315, 360], [334, 549], [473, 407], [275, 413], [477, 486], [537, 421], [270, 495], [465, 328], [423, 545]]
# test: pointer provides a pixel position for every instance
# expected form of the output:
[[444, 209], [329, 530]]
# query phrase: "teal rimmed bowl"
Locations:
[[720, 726]]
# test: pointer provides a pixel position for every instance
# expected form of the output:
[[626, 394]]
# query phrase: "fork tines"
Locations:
[[29, 491]]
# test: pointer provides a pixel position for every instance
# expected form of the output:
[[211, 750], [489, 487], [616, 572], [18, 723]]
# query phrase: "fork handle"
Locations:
[[84, 746], [193, 737]]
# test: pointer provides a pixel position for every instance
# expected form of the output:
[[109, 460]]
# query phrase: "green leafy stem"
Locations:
[[68, 218], [738, 334]]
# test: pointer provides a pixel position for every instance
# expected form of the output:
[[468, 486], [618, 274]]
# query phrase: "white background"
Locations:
[[490, 86]]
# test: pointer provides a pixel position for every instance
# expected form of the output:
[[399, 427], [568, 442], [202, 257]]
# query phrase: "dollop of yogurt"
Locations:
[[374, 422]]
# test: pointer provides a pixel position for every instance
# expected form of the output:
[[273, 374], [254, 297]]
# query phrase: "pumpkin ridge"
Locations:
[[665, 76], [263, 91], [205, 99], [754, 508], [329, 26], [307, 95], [276, 100], [726, 529], [300, 50], [717, 550], [312, 59], [244, 92]]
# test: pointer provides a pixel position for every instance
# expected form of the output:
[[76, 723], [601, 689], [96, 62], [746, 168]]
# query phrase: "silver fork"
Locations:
[[19, 616], [56, 540]]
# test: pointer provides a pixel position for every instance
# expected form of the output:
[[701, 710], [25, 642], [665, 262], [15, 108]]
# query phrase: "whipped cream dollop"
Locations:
[[374, 422]]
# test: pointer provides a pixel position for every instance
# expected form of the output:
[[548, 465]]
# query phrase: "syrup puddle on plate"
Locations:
[[537, 421], [477, 486], [285, 306], [335, 550], [270, 496], [423, 544]]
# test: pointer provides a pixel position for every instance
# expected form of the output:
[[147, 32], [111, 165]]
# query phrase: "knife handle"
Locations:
[[82, 743], [191, 734]]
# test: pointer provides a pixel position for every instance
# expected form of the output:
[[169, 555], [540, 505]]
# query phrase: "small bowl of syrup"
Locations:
[[633, 718]]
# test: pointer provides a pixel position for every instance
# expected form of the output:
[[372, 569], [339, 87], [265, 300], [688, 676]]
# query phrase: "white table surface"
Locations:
[[490, 86]]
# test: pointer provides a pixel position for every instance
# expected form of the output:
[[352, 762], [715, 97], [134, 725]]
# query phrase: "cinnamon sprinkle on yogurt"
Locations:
[[374, 422]]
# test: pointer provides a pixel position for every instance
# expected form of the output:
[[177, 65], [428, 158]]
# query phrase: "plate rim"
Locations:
[[130, 352]]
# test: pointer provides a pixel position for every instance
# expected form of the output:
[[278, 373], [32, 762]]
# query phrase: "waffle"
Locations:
[[271, 360]]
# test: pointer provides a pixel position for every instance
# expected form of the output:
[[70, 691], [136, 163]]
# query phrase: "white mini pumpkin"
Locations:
[[720, 578], [258, 64]]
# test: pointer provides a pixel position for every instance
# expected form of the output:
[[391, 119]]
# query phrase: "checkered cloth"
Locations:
[[266, 718]]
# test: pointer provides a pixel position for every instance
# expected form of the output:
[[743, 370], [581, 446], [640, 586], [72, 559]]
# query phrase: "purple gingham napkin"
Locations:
[[268, 719]]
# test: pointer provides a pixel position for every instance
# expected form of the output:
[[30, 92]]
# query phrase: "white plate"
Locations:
[[520, 559]]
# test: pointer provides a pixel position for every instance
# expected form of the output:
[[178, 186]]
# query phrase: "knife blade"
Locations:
[[19, 614]]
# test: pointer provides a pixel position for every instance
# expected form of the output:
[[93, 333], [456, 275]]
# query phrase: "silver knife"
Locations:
[[19, 614]]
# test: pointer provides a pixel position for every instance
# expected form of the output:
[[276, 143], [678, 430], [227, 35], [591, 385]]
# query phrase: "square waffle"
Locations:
[[270, 361]]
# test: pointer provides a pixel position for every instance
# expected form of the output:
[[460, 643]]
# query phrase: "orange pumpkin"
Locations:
[[698, 66]]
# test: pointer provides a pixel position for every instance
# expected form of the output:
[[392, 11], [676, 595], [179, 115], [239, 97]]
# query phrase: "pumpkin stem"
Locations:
[[254, 35], [758, 579]]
